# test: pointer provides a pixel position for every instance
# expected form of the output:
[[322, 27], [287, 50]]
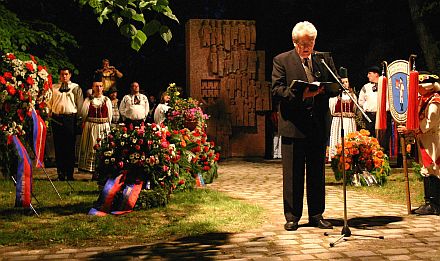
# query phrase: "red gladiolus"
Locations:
[[206, 168], [137, 147], [140, 141], [112, 144], [110, 137], [39, 67], [96, 146], [11, 90], [124, 129], [205, 149], [165, 168], [181, 182], [98, 140], [2, 80]]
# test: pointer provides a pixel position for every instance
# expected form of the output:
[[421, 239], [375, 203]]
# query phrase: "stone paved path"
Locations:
[[406, 237]]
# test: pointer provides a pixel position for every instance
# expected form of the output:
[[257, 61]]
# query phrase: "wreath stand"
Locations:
[[345, 232]]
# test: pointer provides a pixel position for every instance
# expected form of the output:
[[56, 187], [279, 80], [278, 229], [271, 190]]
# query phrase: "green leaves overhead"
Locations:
[[136, 19]]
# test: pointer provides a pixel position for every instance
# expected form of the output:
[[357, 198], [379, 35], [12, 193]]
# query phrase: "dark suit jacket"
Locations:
[[295, 120]]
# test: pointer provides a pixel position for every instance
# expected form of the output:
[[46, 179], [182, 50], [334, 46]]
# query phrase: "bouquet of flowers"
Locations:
[[363, 155], [147, 153], [184, 112], [23, 85]]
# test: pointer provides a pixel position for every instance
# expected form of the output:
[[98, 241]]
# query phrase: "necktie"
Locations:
[[136, 100], [64, 87], [308, 70], [306, 62]]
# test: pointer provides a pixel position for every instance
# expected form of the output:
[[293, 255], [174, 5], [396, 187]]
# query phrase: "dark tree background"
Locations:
[[358, 33]]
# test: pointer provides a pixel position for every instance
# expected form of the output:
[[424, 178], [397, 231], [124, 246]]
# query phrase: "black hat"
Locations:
[[343, 72], [427, 77], [112, 90], [374, 69], [97, 77]]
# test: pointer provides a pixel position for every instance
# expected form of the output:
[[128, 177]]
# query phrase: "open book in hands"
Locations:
[[330, 88]]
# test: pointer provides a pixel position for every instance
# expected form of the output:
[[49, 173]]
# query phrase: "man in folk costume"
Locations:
[[428, 142], [134, 107], [67, 100]]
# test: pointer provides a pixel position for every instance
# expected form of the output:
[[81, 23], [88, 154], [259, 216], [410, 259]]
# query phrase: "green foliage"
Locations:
[[44, 40], [417, 170], [136, 19]]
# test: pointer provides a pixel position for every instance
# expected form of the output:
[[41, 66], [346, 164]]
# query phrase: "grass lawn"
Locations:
[[394, 191], [65, 223]]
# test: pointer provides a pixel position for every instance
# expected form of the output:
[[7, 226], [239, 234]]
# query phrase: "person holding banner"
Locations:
[[368, 101], [428, 141]]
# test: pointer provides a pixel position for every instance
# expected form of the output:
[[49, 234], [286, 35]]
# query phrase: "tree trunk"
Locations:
[[427, 41]]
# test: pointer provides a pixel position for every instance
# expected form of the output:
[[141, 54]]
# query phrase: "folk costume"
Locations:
[[65, 103], [428, 143], [348, 117], [134, 109], [97, 116]]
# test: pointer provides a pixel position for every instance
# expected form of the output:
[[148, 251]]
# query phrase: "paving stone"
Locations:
[[407, 237]]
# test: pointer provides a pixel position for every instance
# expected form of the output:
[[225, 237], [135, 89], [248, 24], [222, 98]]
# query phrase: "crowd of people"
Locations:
[[92, 116], [303, 123]]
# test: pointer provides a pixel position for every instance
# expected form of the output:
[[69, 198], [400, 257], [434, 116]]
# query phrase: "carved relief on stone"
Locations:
[[243, 58], [221, 54], [210, 88], [235, 58], [228, 64], [253, 34], [213, 59], [227, 35], [205, 33], [252, 64], [213, 33], [241, 32], [234, 33], [219, 32]]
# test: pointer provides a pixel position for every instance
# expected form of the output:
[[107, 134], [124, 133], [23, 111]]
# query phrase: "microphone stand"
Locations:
[[345, 232]]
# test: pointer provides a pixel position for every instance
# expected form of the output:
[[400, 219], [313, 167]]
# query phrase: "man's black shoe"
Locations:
[[321, 223], [291, 226]]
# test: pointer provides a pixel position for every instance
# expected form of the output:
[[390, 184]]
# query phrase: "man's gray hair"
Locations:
[[303, 28]]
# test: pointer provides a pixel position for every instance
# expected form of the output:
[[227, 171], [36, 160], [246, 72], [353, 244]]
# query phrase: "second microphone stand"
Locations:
[[345, 232]]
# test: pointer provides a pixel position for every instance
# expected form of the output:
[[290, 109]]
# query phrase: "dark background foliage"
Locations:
[[358, 33]]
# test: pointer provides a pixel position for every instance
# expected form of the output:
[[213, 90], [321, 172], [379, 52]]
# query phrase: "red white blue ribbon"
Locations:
[[24, 175], [39, 138]]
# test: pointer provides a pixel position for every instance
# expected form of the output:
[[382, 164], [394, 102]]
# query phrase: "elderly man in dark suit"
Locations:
[[303, 124]]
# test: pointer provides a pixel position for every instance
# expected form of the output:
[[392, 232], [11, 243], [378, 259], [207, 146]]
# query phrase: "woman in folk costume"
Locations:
[[162, 108], [348, 114], [428, 141], [97, 116]]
